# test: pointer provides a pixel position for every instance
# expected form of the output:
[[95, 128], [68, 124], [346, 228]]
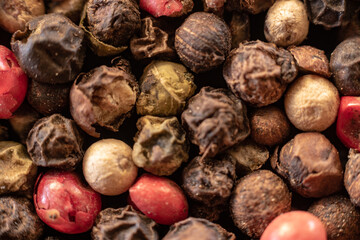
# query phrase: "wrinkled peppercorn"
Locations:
[[17, 171], [209, 181], [197, 228], [50, 49], [351, 176], [257, 199], [123, 223], [164, 89], [103, 97], [340, 217], [70, 8], [215, 120], [160, 145], [56, 142], [203, 41], [345, 66], [264, 77], [18, 220], [311, 165]]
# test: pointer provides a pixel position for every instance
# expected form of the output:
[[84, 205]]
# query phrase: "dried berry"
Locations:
[[311, 60], [350, 30], [215, 120], [164, 89], [174, 8], [103, 97], [339, 216], [214, 6], [248, 156], [48, 99], [251, 6], [203, 41], [64, 203], [286, 23], [154, 41], [51, 49], [160, 145], [55, 141], [123, 223], [70, 8], [257, 199], [259, 72], [345, 66], [240, 28], [18, 220], [209, 181], [197, 228], [311, 165], [351, 176], [17, 171], [108, 167], [312, 103], [15, 14]]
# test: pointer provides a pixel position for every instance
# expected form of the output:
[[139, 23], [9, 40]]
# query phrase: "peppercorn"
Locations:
[[214, 6], [56, 142], [164, 89], [269, 126], [311, 165], [252, 7], [50, 49], [203, 41], [345, 66], [103, 97], [240, 28], [339, 216], [15, 14], [158, 8], [351, 176], [215, 120], [70, 8], [259, 72], [257, 199], [197, 228], [19, 220], [312, 103]]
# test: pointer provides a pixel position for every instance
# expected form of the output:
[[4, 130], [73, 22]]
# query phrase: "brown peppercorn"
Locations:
[[103, 97], [311, 60], [340, 217], [345, 66], [55, 141], [125, 224], [214, 6], [197, 228], [215, 120], [160, 145], [269, 126], [203, 41], [19, 220], [208, 180], [240, 28], [311, 165], [351, 176], [17, 171], [259, 72], [257, 199], [70, 8], [14, 14], [250, 6]]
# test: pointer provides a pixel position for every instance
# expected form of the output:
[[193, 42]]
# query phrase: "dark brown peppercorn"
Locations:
[[340, 217], [48, 99], [208, 180], [103, 97], [215, 120], [70, 8], [259, 72], [240, 28], [55, 141], [345, 66], [352, 176], [269, 126], [257, 199], [203, 41], [251, 6], [51, 49], [311, 60], [311, 165], [125, 224], [18, 220], [197, 228], [214, 6]]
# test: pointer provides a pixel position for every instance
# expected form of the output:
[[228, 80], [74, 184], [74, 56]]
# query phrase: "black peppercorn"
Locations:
[[351, 176], [70, 8]]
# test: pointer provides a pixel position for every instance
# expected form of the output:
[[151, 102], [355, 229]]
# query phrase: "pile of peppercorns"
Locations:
[[182, 119]]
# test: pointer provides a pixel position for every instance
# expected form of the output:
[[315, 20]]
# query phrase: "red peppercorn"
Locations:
[[159, 198], [64, 203], [13, 83], [169, 8], [348, 122]]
